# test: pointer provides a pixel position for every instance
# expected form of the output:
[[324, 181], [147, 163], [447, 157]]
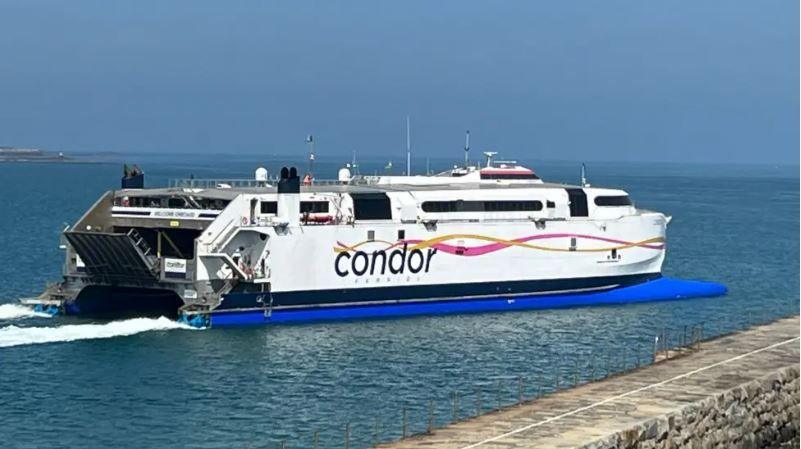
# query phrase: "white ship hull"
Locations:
[[332, 259]]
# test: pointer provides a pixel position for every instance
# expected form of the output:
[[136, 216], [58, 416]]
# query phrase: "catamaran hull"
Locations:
[[642, 288]]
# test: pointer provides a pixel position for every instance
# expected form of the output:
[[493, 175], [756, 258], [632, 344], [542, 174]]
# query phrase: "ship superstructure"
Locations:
[[267, 250]]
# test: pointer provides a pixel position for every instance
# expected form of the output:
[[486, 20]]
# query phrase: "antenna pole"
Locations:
[[466, 148], [583, 175], [408, 148], [310, 141]]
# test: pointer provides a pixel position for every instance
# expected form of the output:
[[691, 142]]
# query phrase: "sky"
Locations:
[[679, 81]]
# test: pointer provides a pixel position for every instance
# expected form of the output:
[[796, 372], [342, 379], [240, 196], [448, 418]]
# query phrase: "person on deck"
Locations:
[[237, 256]]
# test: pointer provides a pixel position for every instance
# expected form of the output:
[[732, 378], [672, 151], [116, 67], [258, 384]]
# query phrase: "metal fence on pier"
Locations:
[[508, 390]]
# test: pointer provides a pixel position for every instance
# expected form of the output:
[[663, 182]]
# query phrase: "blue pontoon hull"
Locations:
[[662, 289]]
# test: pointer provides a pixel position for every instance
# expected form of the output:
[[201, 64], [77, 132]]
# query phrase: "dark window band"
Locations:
[[617, 200], [269, 207], [481, 206], [313, 207], [510, 176]]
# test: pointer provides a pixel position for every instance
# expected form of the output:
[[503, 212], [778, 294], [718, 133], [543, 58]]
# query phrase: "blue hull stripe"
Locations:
[[247, 300], [661, 289]]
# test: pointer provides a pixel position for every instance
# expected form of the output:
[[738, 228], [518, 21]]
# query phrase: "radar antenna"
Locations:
[[490, 155]]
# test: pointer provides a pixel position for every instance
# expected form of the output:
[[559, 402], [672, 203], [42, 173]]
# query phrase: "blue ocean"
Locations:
[[69, 382]]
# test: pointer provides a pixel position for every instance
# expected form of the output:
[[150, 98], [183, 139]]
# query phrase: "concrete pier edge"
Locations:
[[736, 390]]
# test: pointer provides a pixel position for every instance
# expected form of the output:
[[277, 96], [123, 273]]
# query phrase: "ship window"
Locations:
[[509, 176], [371, 206], [550, 204], [269, 207], [481, 206], [617, 200], [313, 207], [401, 234], [439, 206], [176, 203]]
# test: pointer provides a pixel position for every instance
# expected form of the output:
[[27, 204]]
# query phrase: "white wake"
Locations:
[[16, 336], [15, 311]]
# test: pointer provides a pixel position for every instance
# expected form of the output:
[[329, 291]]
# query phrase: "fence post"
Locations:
[[405, 423], [592, 366], [576, 374], [283, 444], [519, 390], [700, 334], [347, 435], [454, 407], [376, 432], [684, 336], [316, 439], [498, 395], [656, 345], [430, 416], [478, 401]]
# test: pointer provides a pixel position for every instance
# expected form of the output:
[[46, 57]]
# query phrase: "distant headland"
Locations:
[[14, 154]]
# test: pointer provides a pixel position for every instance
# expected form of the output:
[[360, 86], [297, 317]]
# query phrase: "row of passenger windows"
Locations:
[[509, 176], [481, 206], [617, 200], [175, 202], [377, 206], [306, 207], [366, 206]]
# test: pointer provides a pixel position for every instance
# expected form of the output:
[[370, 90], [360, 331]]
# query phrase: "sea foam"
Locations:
[[16, 336], [16, 311]]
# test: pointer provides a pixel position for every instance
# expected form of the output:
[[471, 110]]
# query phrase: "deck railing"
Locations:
[[210, 183]]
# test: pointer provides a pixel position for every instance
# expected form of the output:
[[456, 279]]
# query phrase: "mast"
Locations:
[[584, 176], [354, 166], [466, 148], [310, 141], [408, 148]]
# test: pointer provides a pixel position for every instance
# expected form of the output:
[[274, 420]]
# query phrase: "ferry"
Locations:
[[476, 238]]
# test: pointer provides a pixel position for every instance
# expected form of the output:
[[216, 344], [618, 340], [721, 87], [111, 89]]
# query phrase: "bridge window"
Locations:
[[616, 200]]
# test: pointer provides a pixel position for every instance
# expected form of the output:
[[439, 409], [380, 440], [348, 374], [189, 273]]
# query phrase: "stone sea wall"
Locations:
[[763, 413]]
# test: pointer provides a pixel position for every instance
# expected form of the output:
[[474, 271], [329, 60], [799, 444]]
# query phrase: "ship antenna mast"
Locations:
[[310, 141], [354, 165], [584, 182], [408, 148], [466, 149]]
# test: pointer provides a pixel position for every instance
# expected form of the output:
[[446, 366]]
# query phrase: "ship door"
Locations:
[[578, 202], [254, 203]]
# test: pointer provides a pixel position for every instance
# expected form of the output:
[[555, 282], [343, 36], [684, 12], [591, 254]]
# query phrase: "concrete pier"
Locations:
[[739, 390]]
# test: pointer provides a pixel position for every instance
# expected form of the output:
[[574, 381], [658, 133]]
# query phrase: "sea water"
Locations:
[[71, 382]]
